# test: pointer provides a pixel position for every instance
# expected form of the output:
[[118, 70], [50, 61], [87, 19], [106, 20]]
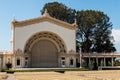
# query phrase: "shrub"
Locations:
[[117, 63], [60, 71], [9, 71]]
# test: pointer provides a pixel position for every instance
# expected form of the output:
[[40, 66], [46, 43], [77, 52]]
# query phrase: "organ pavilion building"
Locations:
[[46, 42], [43, 42]]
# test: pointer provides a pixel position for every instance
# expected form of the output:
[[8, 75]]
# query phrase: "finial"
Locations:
[[14, 20], [46, 13], [75, 22]]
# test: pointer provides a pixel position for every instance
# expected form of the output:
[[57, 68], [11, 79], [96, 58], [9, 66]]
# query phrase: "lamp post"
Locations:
[[80, 58]]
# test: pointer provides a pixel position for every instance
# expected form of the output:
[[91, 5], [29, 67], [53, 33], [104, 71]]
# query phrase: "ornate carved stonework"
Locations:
[[18, 51], [71, 51], [45, 35], [42, 19]]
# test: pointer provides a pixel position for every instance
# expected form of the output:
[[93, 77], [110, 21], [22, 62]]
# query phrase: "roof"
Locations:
[[43, 18]]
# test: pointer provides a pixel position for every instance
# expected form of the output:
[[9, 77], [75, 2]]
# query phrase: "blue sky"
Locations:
[[27, 9]]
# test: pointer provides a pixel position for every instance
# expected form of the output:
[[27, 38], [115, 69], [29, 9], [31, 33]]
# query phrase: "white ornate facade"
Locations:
[[43, 42], [46, 42]]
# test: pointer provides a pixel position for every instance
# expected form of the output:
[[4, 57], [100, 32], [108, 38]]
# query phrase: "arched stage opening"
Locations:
[[44, 49]]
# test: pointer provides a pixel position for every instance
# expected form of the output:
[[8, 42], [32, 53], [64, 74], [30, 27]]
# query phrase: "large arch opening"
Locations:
[[44, 49], [44, 54]]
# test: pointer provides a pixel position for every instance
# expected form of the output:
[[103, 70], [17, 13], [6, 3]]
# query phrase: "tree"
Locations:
[[94, 31], [60, 11], [94, 28], [117, 63]]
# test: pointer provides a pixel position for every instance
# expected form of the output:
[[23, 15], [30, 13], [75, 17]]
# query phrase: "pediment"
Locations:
[[43, 19]]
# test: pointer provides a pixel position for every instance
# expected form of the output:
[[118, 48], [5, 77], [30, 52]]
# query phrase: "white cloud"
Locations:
[[116, 35]]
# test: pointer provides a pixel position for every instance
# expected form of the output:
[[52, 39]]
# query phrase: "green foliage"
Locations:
[[94, 27], [46, 70], [117, 63], [10, 71], [60, 71], [94, 31], [109, 63], [77, 47], [60, 11]]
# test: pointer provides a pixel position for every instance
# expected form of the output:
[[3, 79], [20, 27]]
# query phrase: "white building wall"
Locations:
[[22, 34]]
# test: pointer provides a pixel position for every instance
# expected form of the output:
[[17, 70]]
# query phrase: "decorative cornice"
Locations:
[[42, 19], [48, 36]]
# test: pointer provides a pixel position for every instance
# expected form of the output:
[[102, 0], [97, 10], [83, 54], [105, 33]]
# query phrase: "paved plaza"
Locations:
[[68, 75]]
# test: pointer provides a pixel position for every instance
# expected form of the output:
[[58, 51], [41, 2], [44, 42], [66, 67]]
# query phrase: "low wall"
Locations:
[[109, 68]]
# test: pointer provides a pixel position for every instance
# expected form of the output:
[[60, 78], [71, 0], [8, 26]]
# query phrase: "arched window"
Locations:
[[18, 62]]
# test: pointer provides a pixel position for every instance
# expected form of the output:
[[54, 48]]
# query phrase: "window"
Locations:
[[18, 62], [63, 58], [71, 61], [26, 63], [63, 62], [26, 58]]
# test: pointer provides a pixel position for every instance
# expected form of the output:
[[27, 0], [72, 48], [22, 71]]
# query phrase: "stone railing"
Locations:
[[100, 54]]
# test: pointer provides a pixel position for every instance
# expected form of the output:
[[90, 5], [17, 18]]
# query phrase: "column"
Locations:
[[67, 61], [97, 61], [112, 61], [22, 61], [74, 62], [59, 62], [104, 62], [80, 60], [14, 61], [4, 62], [89, 63]]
